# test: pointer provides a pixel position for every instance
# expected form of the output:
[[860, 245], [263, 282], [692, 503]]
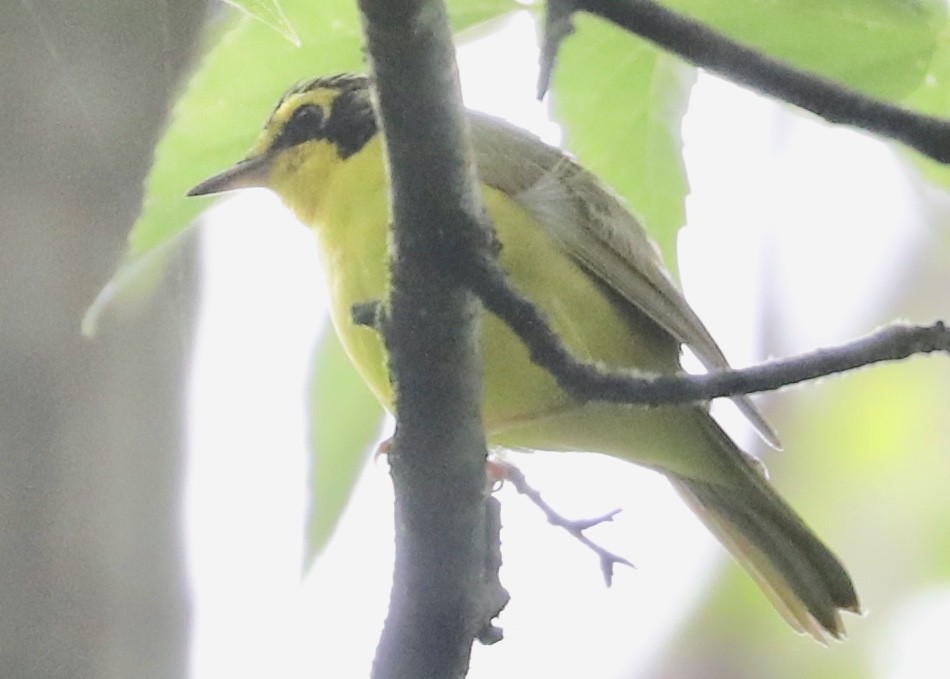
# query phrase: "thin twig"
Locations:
[[590, 381], [575, 528], [711, 50]]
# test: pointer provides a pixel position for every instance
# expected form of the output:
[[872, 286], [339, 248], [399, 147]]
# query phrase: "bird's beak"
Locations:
[[247, 173]]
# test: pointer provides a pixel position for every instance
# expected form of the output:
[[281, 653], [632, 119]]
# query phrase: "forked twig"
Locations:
[[509, 472]]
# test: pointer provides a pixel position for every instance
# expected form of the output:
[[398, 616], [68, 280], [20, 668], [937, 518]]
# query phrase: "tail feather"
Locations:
[[728, 491], [801, 577]]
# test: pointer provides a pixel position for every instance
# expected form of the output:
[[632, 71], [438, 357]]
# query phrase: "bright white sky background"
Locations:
[[255, 617]]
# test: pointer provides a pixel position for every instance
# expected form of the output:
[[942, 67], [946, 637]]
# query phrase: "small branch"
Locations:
[[368, 314], [576, 529], [589, 381], [495, 595], [711, 50]]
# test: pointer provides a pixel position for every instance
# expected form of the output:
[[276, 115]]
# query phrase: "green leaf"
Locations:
[[622, 102], [345, 419], [270, 14], [221, 109], [881, 47]]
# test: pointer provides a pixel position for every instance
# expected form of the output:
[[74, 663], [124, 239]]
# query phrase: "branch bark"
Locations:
[[445, 592], [709, 49]]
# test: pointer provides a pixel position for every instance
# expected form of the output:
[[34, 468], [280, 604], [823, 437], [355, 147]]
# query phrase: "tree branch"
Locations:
[[589, 381], [709, 49], [444, 595]]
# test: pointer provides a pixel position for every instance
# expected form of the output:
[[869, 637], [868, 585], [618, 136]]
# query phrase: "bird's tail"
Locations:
[[798, 573]]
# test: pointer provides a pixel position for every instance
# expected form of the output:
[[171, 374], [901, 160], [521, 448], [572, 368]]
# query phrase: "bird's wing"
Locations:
[[592, 225]]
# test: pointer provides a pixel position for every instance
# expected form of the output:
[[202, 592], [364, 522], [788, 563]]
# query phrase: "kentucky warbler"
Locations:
[[570, 245]]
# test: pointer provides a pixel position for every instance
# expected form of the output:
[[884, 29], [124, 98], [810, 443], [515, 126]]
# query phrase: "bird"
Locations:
[[574, 248]]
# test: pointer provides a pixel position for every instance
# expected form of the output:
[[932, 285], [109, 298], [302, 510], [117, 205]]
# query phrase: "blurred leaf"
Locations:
[[270, 14], [622, 103], [344, 421], [221, 109], [879, 436], [881, 47]]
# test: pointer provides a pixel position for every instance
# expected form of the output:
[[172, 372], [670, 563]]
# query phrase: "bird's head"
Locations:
[[316, 126]]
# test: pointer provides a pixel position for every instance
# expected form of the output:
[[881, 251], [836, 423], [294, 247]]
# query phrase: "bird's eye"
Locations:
[[309, 116], [305, 123]]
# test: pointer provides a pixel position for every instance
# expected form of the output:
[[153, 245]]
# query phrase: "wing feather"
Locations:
[[592, 224]]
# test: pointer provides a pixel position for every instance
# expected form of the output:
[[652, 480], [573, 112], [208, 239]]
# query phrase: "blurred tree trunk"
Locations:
[[91, 437]]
